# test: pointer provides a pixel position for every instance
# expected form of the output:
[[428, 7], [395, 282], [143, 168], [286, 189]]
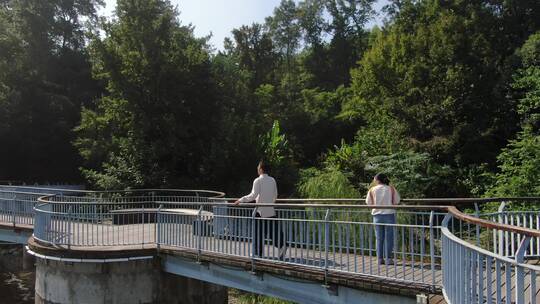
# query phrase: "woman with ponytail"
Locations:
[[382, 194]]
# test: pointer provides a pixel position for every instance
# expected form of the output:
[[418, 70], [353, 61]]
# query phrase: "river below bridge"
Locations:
[[16, 285]]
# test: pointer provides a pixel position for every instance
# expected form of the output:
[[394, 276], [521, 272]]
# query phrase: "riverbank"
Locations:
[[16, 284]]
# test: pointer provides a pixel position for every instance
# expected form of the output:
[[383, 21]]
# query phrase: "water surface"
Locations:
[[16, 285]]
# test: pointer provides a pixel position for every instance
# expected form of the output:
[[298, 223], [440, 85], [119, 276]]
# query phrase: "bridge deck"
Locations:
[[89, 237], [100, 237]]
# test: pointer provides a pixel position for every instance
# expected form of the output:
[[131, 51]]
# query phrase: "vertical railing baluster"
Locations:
[[500, 211], [69, 228], [498, 281], [158, 227], [326, 244], [253, 239], [480, 289], [432, 247], [532, 289], [14, 220], [489, 282], [520, 272], [142, 228], [477, 214]]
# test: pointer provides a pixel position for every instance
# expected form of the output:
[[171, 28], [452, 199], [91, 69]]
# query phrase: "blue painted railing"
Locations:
[[483, 259], [487, 262]]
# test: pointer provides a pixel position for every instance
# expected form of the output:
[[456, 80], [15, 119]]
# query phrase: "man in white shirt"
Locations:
[[264, 191]]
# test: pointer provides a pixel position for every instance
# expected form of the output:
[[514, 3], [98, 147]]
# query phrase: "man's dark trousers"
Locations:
[[267, 229]]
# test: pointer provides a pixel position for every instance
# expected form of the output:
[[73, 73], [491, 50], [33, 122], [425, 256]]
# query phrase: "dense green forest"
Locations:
[[444, 96]]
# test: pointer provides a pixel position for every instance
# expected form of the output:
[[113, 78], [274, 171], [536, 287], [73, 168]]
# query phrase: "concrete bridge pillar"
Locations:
[[139, 281], [28, 260], [182, 290]]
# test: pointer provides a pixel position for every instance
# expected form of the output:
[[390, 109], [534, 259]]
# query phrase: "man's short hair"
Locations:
[[263, 166]]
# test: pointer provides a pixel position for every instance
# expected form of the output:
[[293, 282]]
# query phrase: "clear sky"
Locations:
[[220, 17]]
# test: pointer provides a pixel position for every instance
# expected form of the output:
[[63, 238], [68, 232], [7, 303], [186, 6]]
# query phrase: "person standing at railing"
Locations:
[[264, 191], [382, 194]]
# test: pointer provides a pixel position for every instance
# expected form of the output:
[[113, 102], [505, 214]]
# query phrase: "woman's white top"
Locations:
[[382, 195]]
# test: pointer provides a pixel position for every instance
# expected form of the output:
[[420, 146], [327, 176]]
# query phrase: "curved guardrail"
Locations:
[[475, 271], [109, 218], [331, 238], [436, 246]]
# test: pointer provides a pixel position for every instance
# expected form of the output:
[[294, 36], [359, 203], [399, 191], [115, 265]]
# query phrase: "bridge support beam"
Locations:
[[183, 290], [136, 281], [296, 290], [14, 235]]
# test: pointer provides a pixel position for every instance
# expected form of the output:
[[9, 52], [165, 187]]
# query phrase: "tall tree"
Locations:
[[519, 161], [285, 30], [254, 49], [45, 81], [436, 76], [158, 117], [349, 37]]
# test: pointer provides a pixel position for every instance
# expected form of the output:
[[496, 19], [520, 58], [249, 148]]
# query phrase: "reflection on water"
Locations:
[[16, 285]]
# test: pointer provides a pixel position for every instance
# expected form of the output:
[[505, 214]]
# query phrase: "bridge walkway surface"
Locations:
[[455, 257], [236, 252], [401, 275]]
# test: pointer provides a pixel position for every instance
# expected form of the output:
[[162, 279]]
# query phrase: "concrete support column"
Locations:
[[140, 281], [119, 283], [28, 260], [181, 290]]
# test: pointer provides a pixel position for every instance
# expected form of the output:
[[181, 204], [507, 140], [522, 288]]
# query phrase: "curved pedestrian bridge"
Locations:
[[453, 257]]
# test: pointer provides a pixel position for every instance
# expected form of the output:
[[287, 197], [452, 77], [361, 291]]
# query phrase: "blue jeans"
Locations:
[[384, 235]]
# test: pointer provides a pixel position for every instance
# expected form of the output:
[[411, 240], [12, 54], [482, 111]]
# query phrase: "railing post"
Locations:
[[477, 214], [14, 221], [500, 210], [142, 234], [326, 244], [520, 273], [69, 228], [449, 255], [432, 247], [158, 227], [253, 237], [199, 233]]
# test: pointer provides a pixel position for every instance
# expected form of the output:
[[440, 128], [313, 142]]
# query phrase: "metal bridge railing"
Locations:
[[336, 238], [505, 243], [474, 271], [332, 238], [17, 208], [473, 259]]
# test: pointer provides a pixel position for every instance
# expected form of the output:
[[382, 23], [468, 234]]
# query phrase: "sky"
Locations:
[[220, 17]]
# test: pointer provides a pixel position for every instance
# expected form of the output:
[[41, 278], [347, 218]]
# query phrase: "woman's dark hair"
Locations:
[[382, 178]]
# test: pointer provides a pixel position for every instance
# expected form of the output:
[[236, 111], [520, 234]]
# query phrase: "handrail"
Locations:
[[451, 209], [27, 193], [472, 274], [405, 200], [304, 231], [217, 193], [481, 250], [489, 224], [279, 203]]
